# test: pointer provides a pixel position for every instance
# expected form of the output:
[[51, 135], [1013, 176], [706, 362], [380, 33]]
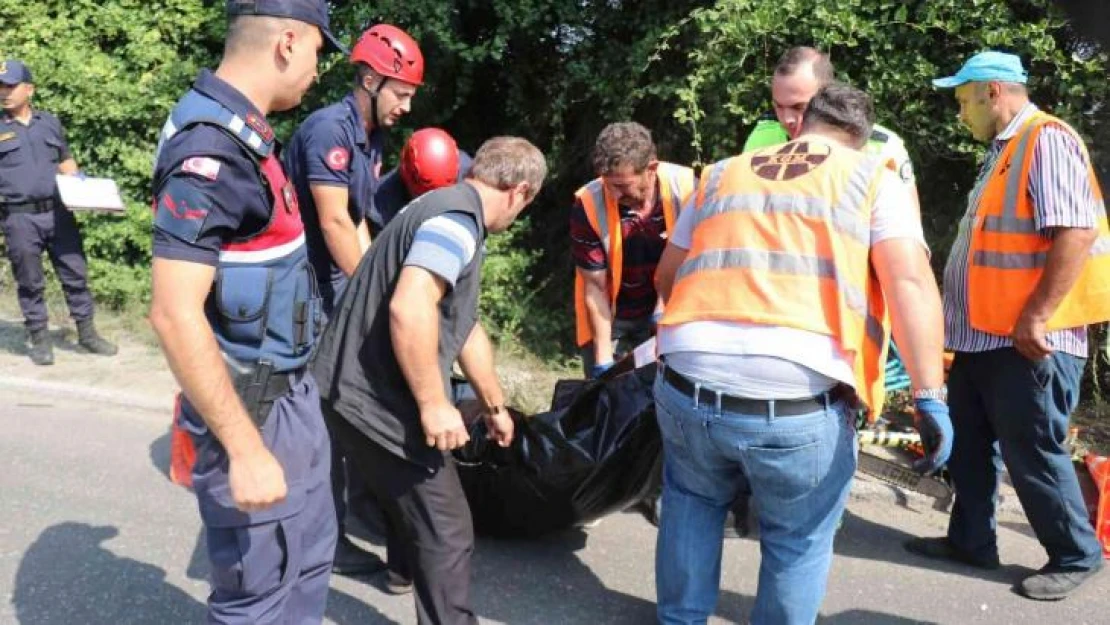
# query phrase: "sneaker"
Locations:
[[939, 548], [1054, 584], [352, 560]]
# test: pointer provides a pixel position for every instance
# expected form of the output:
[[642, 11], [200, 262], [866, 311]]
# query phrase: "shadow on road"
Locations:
[[160, 453], [860, 538], [13, 338], [68, 576], [736, 608], [543, 581]]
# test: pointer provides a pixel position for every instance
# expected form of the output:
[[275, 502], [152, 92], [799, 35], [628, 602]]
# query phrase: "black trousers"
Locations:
[[55, 232], [433, 529]]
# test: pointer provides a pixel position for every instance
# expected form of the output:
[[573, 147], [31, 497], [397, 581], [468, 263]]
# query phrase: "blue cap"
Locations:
[[313, 12], [13, 72], [985, 67]]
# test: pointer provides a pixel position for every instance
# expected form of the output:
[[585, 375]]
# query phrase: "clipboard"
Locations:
[[90, 194]]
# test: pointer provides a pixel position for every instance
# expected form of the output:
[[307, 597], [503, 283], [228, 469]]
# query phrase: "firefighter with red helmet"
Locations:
[[334, 161], [430, 159]]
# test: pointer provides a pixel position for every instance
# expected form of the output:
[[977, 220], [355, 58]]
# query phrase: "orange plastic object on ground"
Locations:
[[182, 452], [1099, 466]]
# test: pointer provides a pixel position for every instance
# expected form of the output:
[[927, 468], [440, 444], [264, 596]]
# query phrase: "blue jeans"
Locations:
[[1006, 408], [799, 470]]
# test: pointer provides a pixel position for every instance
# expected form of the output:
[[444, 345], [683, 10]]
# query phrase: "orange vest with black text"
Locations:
[[782, 237], [675, 184], [1008, 255]]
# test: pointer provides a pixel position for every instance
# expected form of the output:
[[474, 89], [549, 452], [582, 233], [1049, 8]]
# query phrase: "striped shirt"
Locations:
[[444, 245], [1060, 189]]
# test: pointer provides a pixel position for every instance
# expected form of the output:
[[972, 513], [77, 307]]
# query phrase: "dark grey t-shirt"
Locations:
[[355, 365]]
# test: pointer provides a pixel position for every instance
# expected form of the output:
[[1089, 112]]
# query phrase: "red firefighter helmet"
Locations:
[[391, 52], [429, 160]]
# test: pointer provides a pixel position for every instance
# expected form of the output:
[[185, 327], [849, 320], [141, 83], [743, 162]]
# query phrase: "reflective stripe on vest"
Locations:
[[1008, 255], [823, 283], [675, 183]]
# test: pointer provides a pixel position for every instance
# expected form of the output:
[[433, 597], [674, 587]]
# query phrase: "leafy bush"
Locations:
[[555, 72]]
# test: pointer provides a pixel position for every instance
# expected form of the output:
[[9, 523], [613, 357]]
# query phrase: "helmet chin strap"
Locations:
[[374, 99]]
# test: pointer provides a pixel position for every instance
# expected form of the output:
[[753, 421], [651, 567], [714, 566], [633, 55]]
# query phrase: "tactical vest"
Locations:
[[264, 306], [675, 184], [782, 238]]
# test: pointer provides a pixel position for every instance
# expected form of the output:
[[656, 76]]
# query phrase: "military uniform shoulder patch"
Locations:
[[338, 158], [180, 209]]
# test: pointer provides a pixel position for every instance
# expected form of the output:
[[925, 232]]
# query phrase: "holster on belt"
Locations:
[[257, 386]]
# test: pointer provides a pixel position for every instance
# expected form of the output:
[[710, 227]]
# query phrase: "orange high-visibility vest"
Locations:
[[675, 184], [1007, 255], [782, 237]]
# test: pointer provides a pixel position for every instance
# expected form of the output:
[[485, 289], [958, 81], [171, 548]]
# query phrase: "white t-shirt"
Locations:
[[770, 362], [893, 149]]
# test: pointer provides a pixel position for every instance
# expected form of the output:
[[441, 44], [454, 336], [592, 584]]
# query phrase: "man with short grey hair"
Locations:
[[410, 311]]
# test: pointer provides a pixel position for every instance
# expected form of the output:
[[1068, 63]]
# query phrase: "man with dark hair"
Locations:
[[776, 282], [843, 113], [237, 313], [385, 359], [618, 227], [333, 160], [33, 150], [334, 157], [798, 75]]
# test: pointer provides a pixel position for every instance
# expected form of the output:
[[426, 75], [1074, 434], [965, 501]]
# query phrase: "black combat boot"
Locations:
[[42, 351], [93, 343]]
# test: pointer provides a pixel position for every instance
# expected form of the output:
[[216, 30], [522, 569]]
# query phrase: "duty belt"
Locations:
[[35, 206], [746, 405], [259, 386]]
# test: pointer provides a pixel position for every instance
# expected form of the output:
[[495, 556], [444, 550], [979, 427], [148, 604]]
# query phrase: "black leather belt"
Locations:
[[745, 405], [37, 206]]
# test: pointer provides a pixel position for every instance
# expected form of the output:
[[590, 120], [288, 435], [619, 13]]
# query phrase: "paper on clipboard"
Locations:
[[91, 194]]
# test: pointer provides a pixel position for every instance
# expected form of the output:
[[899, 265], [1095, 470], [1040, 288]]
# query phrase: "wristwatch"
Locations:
[[940, 394]]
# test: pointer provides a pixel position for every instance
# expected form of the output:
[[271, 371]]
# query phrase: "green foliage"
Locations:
[[555, 72], [891, 49], [111, 70], [508, 303]]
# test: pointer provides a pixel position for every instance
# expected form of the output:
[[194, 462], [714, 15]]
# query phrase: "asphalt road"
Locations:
[[93, 533]]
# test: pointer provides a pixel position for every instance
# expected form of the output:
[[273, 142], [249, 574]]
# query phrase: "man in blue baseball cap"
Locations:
[[33, 150], [236, 309], [1029, 270]]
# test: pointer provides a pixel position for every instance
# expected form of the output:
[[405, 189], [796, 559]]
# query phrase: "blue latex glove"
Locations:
[[935, 427], [80, 174], [597, 370]]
